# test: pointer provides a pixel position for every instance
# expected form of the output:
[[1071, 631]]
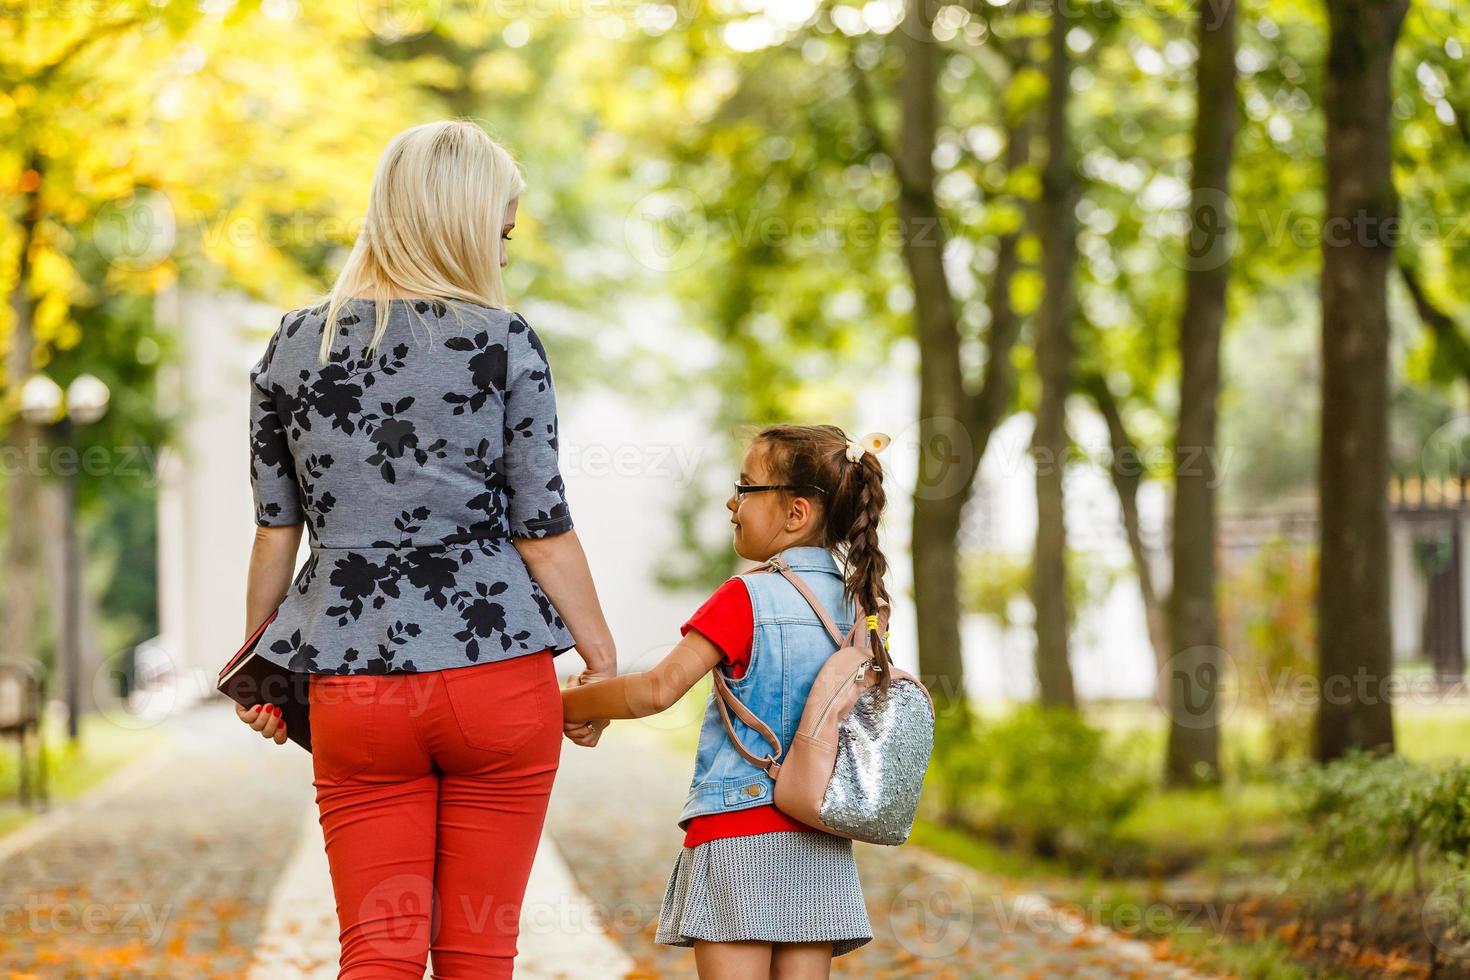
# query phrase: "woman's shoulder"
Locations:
[[354, 308], [302, 325], [294, 319]]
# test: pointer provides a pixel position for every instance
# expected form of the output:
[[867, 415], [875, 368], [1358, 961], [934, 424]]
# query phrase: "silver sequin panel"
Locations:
[[883, 748]]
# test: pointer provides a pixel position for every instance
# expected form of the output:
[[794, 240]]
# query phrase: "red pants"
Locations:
[[432, 789]]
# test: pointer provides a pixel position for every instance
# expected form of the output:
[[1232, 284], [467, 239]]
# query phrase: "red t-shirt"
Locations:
[[726, 620]]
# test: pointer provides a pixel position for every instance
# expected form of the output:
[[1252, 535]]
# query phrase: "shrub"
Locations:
[[1049, 784], [1366, 819]]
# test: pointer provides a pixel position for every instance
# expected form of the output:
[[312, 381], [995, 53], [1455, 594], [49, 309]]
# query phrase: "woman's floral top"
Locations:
[[412, 469]]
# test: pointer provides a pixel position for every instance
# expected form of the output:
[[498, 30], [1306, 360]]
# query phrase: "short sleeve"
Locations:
[[727, 621], [534, 487], [272, 469]]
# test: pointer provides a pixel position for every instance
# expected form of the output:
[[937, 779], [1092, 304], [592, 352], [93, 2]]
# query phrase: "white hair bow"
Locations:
[[873, 442]]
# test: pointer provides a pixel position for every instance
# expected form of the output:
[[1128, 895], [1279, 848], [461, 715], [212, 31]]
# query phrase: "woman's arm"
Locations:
[[272, 565], [272, 562], [646, 692], [559, 566]]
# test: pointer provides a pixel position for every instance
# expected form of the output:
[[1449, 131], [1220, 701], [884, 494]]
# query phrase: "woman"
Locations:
[[408, 423]]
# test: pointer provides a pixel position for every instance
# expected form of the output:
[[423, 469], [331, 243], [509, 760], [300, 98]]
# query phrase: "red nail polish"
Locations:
[[277, 709]]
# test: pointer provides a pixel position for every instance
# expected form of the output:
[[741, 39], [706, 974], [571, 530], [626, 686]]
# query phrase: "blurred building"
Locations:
[[205, 508]]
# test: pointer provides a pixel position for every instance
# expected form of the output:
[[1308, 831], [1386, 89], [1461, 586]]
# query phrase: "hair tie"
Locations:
[[873, 442]]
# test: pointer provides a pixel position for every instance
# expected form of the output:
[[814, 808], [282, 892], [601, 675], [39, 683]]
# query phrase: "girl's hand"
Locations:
[[265, 719], [586, 733], [599, 673]]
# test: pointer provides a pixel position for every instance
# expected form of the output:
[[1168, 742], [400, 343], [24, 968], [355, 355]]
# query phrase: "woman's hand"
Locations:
[[266, 719], [586, 733]]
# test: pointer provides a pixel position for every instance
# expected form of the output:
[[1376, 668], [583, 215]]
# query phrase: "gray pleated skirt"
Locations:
[[785, 886]]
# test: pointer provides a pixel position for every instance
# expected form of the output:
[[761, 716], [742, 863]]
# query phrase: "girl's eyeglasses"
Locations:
[[741, 489]]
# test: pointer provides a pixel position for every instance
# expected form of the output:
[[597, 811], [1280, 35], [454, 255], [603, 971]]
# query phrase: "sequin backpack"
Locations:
[[856, 765]]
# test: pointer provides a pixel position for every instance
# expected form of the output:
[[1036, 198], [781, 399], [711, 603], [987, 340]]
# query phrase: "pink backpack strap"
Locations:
[[725, 698], [778, 564], [859, 622]]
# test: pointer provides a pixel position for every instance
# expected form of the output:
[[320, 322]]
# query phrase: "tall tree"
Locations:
[[1194, 669], [1054, 354], [106, 210], [35, 57], [955, 424], [22, 549], [1354, 651]]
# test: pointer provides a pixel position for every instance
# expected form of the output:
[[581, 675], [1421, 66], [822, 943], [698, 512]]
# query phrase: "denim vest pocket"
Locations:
[[342, 709]]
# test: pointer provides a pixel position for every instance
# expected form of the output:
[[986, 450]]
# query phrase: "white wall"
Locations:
[[206, 511]]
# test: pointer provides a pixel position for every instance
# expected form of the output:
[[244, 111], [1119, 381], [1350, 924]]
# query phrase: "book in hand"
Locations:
[[249, 679]]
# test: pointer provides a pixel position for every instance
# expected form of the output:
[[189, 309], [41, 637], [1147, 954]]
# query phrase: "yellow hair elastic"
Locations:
[[873, 623]]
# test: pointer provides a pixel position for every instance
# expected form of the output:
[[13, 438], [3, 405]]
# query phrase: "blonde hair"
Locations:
[[433, 224]]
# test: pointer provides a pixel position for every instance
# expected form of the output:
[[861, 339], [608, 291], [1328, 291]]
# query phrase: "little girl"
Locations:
[[754, 891]]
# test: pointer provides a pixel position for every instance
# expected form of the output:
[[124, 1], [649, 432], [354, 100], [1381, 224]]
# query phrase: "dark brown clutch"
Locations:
[[249, 679]]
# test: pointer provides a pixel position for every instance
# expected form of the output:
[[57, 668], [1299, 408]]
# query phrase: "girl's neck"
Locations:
[[797, 544]]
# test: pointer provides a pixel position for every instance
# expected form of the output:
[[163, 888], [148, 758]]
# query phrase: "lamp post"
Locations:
[[46, 406]]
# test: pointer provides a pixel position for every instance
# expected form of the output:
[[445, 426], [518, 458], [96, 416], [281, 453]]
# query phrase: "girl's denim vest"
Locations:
[[788, 648]]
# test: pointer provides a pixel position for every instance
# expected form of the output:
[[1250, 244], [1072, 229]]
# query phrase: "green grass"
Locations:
[[1120, 905], [984, 856], [1264, 959], [104, 747], [1236, 827], [1427, 733], [1139, 729], [1192, 820], [1250, 809]]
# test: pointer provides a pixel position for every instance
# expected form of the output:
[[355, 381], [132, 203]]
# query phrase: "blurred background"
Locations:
[[1163, 303]]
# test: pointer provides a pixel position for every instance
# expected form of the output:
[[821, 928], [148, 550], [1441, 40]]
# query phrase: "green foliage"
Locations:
[[1368, 819], [994, 581], [957, 768], [698, 564], [1268, 623], [1043, 779]]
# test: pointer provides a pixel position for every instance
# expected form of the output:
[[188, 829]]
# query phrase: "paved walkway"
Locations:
[[161, 872], [204, 860], [612, 817], [561, 937]]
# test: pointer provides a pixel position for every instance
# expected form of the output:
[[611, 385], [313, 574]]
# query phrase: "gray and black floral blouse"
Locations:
[[412, 469]]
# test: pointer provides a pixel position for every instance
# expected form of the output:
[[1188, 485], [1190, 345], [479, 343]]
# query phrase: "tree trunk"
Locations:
[[954, 425], [1354, 644], [1054, 362], [1126, 473], [939, 497], [22, 547], [1193, 673]]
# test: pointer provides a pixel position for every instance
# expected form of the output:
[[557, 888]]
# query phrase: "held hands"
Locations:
[[586, 733], [266, 719]]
